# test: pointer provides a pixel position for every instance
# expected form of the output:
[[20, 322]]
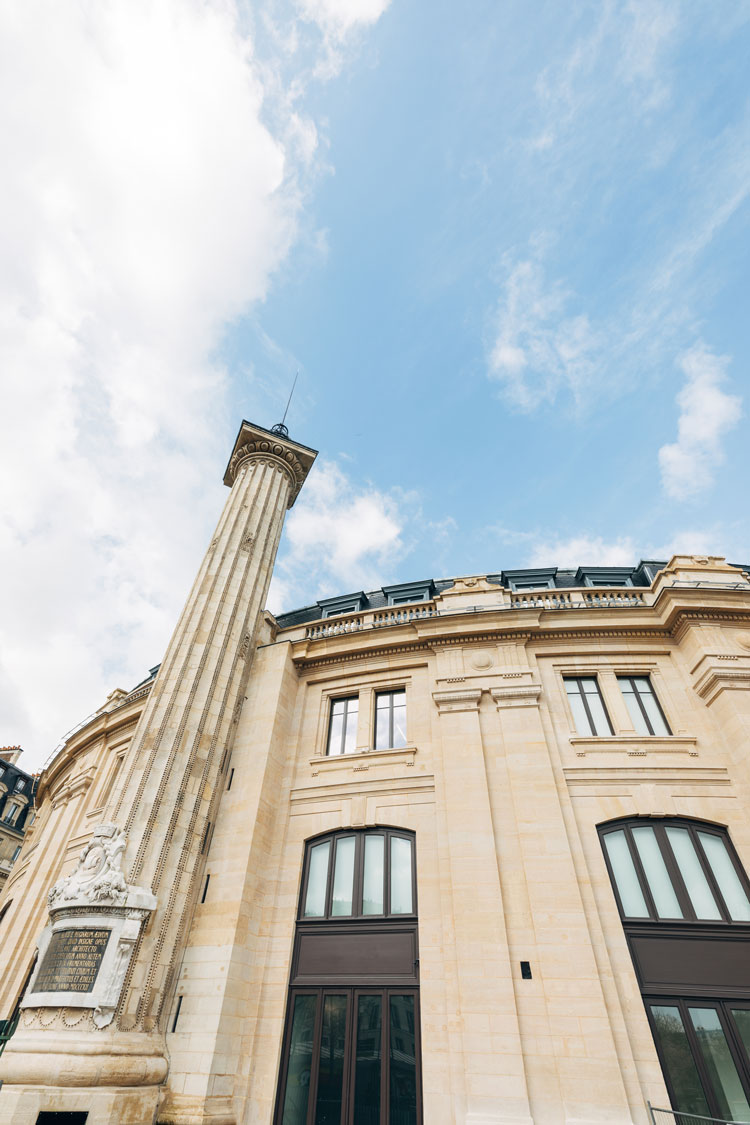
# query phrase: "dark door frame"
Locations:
[[352, 993]]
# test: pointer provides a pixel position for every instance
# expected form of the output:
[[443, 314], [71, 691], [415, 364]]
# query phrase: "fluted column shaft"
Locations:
[[167, 803]]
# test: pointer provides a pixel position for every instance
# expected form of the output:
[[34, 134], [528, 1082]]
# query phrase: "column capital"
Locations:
[[256, 443]]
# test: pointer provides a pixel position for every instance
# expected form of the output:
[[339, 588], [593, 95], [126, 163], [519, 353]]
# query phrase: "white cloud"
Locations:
[[338, 538], [583, 550], [707, 413], [342, 16], [146, 203], [538, 348]]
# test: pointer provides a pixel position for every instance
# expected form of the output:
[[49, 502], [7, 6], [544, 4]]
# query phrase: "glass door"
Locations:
[[351, 1057], [704, 1050]]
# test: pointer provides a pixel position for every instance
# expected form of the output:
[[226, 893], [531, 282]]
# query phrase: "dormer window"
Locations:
[[346, 603], [536, 579], [604, 576], [406, 592]]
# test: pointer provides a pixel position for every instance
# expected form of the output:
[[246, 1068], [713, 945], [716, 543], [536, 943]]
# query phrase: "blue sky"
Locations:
[[505, 245]]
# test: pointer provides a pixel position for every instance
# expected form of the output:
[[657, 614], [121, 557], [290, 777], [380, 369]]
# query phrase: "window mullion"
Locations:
[[587, 709], [708, 872], [640, 872], [387, 874], [673, 870], [312, 1093], [643, 711], [329, 882], [359, 863]]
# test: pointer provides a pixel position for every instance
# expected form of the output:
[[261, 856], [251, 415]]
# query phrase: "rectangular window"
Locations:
[[390, 720], [342, 729], [643, 706], [587, 705]]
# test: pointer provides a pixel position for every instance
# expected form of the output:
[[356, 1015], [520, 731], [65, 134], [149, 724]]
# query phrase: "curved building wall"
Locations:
[[70, 801], [504, 795]]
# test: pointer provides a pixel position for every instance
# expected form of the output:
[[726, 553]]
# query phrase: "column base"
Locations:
[[184, 1109], [110, 1105]]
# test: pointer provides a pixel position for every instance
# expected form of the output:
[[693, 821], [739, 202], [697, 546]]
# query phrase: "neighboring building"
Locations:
[[453, 852], [16, 808]]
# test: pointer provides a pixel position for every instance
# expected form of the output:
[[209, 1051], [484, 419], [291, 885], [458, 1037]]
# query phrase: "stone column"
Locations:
[[485, 1035], [167, 803]]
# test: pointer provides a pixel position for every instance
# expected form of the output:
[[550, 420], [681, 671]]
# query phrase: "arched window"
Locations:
[[351, 1053], [684, 900]]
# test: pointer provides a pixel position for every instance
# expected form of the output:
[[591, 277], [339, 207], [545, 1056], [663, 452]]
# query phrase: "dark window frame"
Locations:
[[636, 693], [731, 1034], [660, 824], [359, 860], [346, 699], [352, 993], [391, 692], [593, 733]]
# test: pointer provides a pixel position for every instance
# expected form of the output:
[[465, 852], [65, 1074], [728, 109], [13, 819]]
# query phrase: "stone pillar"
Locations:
[[167, 803], [485, 1035]]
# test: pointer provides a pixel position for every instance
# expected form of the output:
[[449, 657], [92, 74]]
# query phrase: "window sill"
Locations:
[[635, 745], [363, 759]]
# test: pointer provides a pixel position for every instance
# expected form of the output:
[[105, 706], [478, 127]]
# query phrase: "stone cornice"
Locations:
[[516, 695], [256, 444], [466, 699]]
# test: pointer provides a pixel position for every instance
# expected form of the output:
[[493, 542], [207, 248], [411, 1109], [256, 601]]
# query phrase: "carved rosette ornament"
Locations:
[[95, 921], [260, 450]]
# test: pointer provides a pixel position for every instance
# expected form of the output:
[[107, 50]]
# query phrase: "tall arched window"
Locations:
[[351, 1052], [684, 900]]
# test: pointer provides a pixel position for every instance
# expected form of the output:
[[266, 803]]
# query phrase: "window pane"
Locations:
[[700, 893], [636, 715], [598, 714], [726, 876], [343, 878], [403, 1078], [350, 731], [725, 1080], [742, 1019], [401, 895], [659, 882], [654, 714], [334, 734], [399, 719], [678, 1059], [368, 1061], [372, 890], [315, 899], [331, 1066], [300, 1059], [626, 878], [581, 719], [382, 727]]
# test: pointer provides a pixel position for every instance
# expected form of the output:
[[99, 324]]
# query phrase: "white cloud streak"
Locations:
[[146, 203], [538, 348], [707, 414], [338, 538]]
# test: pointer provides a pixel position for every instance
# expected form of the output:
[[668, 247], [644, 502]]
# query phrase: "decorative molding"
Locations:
[[94, 896], [467, 699], [363, 759], [636, 745], [516, 695], [272, 453]]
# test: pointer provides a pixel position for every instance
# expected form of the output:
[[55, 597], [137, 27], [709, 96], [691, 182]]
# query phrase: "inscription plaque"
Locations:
[[72, 961]]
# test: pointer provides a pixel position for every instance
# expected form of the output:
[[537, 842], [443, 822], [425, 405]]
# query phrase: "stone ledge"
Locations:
[[364, 758], [636, 745]]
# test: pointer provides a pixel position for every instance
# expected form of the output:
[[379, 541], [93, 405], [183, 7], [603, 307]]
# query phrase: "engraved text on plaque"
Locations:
[[72, 961]]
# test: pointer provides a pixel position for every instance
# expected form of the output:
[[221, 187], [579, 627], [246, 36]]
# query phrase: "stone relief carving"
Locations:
[[95, 895], [97, 876]]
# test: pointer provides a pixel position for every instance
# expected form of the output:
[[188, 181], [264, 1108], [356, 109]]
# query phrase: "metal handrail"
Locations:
[[677, 1115]]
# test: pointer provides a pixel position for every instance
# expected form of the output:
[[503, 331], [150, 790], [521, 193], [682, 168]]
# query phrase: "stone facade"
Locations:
[[16, 808], [218, 792]]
